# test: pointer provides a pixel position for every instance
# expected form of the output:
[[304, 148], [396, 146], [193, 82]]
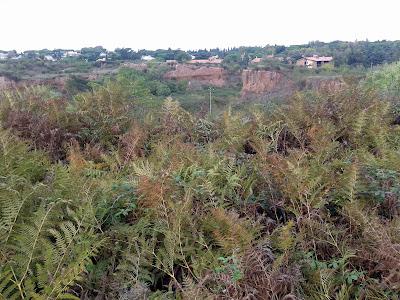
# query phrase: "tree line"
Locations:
[[358, 53]]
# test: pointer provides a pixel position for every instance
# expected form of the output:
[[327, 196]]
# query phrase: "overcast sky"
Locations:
[[187, 24]]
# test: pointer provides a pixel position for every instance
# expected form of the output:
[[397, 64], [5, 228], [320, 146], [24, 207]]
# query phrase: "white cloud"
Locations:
[[187, 24]]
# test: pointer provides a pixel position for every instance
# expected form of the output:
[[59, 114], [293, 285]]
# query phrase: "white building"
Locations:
[[49, 58], [3, 56], [147, 57], [71, 53]]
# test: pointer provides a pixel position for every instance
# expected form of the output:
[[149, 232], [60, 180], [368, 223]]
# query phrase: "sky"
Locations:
[[188, 24]]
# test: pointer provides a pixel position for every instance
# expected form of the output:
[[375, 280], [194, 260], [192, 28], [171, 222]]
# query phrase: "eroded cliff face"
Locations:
[[197, 76], [261, 82]]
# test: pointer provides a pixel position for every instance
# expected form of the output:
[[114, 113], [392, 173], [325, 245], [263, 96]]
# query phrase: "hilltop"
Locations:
[[242, 176]]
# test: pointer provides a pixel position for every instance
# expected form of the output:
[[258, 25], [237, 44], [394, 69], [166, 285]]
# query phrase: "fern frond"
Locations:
[[28, 240], [12, 201], [9, 290], [283, 237]]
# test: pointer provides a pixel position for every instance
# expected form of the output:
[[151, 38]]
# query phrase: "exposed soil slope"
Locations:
[[197, 76], [261, 82]]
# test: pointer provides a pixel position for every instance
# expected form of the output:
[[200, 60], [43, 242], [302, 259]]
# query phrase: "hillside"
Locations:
[[118, 182]]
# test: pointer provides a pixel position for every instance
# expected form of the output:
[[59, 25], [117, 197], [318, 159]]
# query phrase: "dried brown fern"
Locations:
[[377, 251], [259, 280], [229, 231], [132, 143], [152, 192]]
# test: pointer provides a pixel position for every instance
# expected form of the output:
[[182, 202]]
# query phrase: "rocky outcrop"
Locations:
[[261, 82], [197, 76]]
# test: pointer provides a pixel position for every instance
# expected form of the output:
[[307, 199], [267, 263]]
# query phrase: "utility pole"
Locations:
[[210, 90]]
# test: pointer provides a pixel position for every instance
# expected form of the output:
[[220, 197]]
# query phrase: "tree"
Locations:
[[386, 80], [279, 49], [126, 54], [92, 53]]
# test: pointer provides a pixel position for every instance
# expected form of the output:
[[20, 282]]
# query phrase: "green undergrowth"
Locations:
[[102, 197]]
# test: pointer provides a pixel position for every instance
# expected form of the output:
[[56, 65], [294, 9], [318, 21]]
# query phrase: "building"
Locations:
[[3, 56], [256, 60], [210, 60], [49, 58], [171, 62], [101, 62], [314, 61], [147, 57], [70, 53]]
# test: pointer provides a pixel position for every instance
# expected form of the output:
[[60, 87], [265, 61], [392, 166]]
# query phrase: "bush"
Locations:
[[292, 201]]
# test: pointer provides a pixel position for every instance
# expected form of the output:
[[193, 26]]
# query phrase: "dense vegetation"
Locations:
[[113, 194], [360, 54]]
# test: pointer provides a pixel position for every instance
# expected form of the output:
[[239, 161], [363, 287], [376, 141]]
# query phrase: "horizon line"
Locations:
[[206, 48]]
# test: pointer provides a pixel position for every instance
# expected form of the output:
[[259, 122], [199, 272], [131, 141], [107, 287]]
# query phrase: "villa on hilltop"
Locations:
[[256, 60], [211, 60], [314, 61]]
